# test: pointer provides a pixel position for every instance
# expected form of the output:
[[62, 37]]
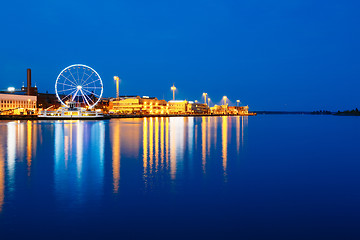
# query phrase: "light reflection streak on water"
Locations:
[[167, 146], [145, 147], [224, 142], [20, 140], [190, 131], [98, 147], [208, 136], [151, 144], [176, 144], [2, 177], [203, 143], [238, 134], [29, 146], [162, 143], [11, 153], [215, 120], [79, 149], [116, 156], [157, 143]]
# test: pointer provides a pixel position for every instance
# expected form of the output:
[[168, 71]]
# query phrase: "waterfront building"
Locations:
[[219, 109], [244, 110], [17, 104], [137, 105], [152, 105], [197, 108], [232, 110], [178, 106]]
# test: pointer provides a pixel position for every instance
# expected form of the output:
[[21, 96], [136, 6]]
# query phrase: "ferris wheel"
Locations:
[[80, 84]]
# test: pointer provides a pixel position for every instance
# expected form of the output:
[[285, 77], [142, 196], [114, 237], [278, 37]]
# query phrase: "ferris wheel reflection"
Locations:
[[79, 159]]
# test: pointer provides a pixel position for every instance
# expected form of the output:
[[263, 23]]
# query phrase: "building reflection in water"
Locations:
[[116, 156], [79, 159], [11, 153], [17, 146], [203, 142], [125, 140], [2, 176], [176, 145], [170, 147], [166, 140], [224, 135], [31, 144]]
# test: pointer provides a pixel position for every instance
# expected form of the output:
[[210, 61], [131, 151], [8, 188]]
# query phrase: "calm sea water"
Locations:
[[263, 177]]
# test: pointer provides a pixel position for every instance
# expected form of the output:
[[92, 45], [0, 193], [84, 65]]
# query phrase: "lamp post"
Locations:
[[205, 94], [224, 98], [117, 79], [237, 102], [173, 88]]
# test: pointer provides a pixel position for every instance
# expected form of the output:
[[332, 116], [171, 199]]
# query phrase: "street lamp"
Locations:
[[205, 94], [237, 102], [224, 98], [117, 79], [173, 88]]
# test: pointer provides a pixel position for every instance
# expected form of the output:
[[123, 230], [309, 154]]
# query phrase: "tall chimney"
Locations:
[[28, 80]]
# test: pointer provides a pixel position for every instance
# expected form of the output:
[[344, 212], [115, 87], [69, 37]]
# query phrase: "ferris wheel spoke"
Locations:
[[75, 95], [94, 87], [68, 95], [77, 71], [73, 86], [66, 89], [68, 80], [89, 98], [81, 81], [92, 82], [84, 97], [73, 77], [91, 93], [88, 77]]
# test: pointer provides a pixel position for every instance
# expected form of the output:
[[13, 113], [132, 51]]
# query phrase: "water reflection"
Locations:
[[11, 152], [2, 177], [79, 159], [224, 130], [151, 151], [166, 140], [116, 157]]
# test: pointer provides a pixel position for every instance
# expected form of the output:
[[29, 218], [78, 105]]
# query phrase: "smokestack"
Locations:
[[28, 80]]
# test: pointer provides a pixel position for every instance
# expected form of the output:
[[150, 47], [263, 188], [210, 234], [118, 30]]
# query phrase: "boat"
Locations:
[[71, 112]]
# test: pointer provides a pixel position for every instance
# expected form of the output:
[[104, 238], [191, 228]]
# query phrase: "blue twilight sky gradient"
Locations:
[[272, 55]]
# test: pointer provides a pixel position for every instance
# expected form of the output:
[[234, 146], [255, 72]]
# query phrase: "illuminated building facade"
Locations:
[[17, 104], [153, 106], [219, 109], [233, 110], [125, 105], [138, 105], [198, 108], [178, 106], [238, 110]]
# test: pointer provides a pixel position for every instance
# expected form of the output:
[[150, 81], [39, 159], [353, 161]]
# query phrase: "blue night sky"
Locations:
[[272, 55]]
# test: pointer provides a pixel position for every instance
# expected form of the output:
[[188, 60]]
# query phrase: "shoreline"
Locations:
[[107, 117]]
